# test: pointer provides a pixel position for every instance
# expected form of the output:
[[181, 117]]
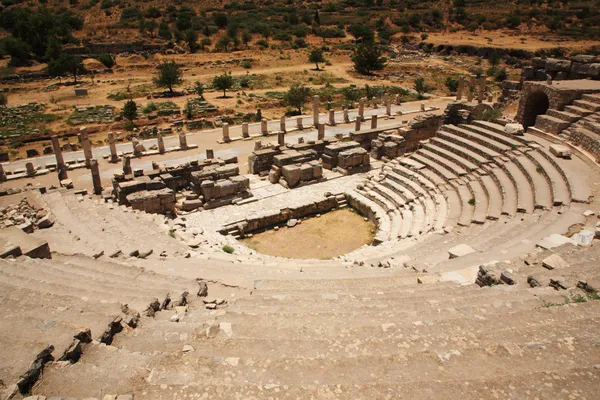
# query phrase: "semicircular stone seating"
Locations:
[[468, 174]]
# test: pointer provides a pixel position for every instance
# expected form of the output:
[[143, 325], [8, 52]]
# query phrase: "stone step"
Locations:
[[435, 167], [463, 151], [452, 157], [543, 193], [405, 178], [56, 323], [578, 110], [559, 187], [476, 134], [396, 186], [370, 193], [564, 115], [448, 164], [467, 206], [407, 221], [550, 124], [433, 332], [36, 277], [592, 98], [423, 183], [509, 192], [590, 125], [494, 197], [380, 215], [525, 199], [469, 140], [454, 207], [588, 105], [499, 139], [442, 212], [480, 202], [389, 194], [418, 221]]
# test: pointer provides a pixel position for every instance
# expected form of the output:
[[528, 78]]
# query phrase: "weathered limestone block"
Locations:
[[514, 129], [560, 151]]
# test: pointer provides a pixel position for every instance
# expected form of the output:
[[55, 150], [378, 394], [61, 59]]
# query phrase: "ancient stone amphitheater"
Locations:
[[135, 305]]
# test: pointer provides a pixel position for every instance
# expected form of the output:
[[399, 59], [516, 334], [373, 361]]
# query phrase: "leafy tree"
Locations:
[[351, 93], [316, 56], [66, 64], [220, 20], [205, 42], [223, 82], [246, 38], [169, 75], [54, 48], [129, 111], [163, 30], [151, 27], [199, 89], [107, 59], [451, 84], [17, 49], [368, 58], [224, 43], [420, 87], [501, 75], [189, 110], [296, 96], [362, 33], [152, 12], [191, 37]]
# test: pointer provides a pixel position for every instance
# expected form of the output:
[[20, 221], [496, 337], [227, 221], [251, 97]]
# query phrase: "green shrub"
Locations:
[[228, 249]]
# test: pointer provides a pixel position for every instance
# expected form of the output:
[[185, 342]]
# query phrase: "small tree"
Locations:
[[107, 59], [352, 94], [169, 75], [296, 96], [451, 84], [163, 30], [420, 87], [189, 110], [129, 111], [223, 82], [367, 58], [191, 37], [316, 56], [224, 43], [151, 27], [205, 42], [3, 100], [66, 64], [246, 38], [199, 89]]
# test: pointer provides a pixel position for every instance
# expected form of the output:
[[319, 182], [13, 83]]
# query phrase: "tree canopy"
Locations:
[[297, 96], [223, 82], [368, 58], [168, 76], [66, 64], [129, 110], [316, 56]]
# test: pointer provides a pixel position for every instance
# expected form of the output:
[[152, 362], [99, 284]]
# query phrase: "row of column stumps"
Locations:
[[114, 157], [474, 83], [299, 120]]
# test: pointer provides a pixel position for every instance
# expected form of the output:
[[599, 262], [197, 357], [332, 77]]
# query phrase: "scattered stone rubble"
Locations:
[[25, 216]]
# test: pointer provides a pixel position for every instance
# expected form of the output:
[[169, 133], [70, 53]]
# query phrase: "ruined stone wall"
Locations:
[[588, 143], [261, 160], [423, 127], [278, 217], [577, 67]]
